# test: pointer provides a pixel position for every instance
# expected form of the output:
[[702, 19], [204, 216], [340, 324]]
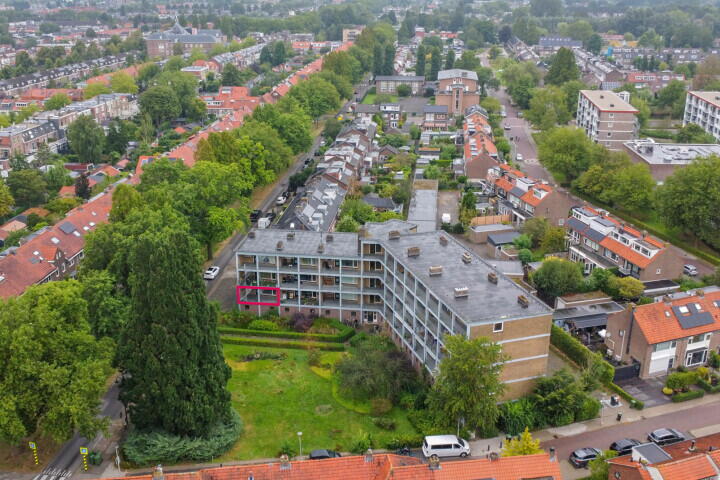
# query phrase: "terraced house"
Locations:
[[419, 287]]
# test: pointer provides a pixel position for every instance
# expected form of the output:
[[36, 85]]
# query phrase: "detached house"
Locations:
[[678, 331], [597, 240]]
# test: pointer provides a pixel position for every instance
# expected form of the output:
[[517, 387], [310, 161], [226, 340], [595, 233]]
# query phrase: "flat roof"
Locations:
[[486, 302], [708, 96], [423, 209], [304, 243], [608, 101], [671, 153]]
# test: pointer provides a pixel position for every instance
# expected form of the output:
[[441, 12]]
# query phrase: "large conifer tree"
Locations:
[[170, 350]]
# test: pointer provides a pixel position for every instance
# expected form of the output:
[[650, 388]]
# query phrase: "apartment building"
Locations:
[[598, 240], [522, 198], [703, 109], [678, 331], [458, 90], [390, 83], [419, 286], [664, 158], [551, 44], [607, 117], [352, 33], [696, 459], [162, 44]]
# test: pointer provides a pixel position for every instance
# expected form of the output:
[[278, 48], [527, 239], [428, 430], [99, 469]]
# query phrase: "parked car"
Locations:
[[624, 446], [211, 273], [254, 215], [507, 127], [690, 270], [582, 456], [665, 436], [323, 454], [281, 200], [270, 216], [445, 446]]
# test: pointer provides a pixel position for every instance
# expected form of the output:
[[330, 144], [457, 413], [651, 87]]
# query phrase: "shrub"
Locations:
[[384, 423], [667, 391], [259, 342], [409, 440], [314, 357], [301, 322], [714, 360], [707, 386], [380, 406], [264, 325], [235, 318], [685, 396], [407, 401], [287, 448], [703, 373], [570, 346], [589, 409], [518, 415], [361, 444], [681, 380], [343, 336], [152, 448]]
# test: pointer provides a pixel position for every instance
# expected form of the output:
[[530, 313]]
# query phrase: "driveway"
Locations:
[[448, 202], [647, 390]]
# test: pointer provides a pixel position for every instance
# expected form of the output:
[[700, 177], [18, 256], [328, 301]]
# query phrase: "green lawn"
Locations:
[[370, 99], [278, 398]]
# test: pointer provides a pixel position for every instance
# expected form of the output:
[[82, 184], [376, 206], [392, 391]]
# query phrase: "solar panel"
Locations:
[[67, 227], [694, 318]]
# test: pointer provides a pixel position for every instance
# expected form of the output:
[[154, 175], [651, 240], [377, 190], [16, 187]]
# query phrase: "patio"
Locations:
[[648, 390]]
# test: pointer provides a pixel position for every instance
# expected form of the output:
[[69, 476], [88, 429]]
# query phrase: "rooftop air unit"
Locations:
[[461, 292], [435, 270], [413, 252]]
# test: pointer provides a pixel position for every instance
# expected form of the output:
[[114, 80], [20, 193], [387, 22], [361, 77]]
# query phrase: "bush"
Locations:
[[152, 448], [570, 346], [410, 441], [518, 415], [590, 409], [236, 318], [264, 325], [667, 391], [259, 342], [681, 380], [314, 357], [634, 403], [685, 396], [301, 322], [714, 360], [361, 444], [384, 423], [287, 448], [380, 406], [707, 386], [344, 335], [407, 401]]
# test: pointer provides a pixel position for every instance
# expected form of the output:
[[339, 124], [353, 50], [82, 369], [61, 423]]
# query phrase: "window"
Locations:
[[609, 134], [696, 358], [611, 115], [659, 347], [699, 338], [498, 327]]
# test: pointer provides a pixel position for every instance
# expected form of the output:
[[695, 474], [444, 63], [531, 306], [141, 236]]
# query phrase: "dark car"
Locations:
[[582, 456], [254, 215], [271, 216], [323, 454], [624, 446], [665, 436]]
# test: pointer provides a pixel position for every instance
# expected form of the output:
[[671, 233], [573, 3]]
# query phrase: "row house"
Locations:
[[696, 459], [627, 55], [230, 99], [479, 151], [597, 240], [703, 108], [653, 81], [390, 83], [522, 198], [597, 71], [457, 90], [680, 330], [391, 113], [436, 118], [53, 252], [420, 287], [76, 71], [241, 58], [549, 45]]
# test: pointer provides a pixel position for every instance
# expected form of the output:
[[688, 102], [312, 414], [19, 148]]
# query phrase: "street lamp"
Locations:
[[300, 441]]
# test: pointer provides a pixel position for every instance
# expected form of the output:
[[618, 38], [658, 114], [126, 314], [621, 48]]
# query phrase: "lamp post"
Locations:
[[300, 442]]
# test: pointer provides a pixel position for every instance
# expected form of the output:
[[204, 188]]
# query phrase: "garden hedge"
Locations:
[[634, 403], [705, 385], [260, 342], [685, 396], [341, 337]]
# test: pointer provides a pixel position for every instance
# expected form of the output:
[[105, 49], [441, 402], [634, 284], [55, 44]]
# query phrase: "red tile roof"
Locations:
[[693, 468], [382, 467], [658, 322], [636, 258]]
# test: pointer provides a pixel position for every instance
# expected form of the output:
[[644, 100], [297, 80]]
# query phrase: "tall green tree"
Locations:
[[160, 104], [548, 108], [435, 63], [522, 445], [231, 76], [562, 68], [176, 376], [316, 96], [6, 200], [87, 139], [450, 59], [57, 101], [556, 277], [420, 63], [108, 308], [52, 370], [688, 199], [27, 187], [567, 152], [389, 60], [468, 385], [82, 186]]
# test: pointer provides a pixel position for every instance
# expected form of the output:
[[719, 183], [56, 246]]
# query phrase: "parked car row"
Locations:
[[581, 457]]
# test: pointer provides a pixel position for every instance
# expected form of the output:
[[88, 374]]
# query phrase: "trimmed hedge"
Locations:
[[634, 403], [685, 396], [705, 385], [318, 337], [259, 342]]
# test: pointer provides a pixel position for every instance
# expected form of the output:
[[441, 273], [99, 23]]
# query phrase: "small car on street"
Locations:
[[624, 446], [582, 456], [690, 270], [665, 436], [211, 273]]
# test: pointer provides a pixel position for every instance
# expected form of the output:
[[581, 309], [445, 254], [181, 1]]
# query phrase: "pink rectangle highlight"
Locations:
[[239, 288]]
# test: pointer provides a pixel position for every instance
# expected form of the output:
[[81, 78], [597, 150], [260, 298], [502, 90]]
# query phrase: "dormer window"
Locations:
[[683, 309]]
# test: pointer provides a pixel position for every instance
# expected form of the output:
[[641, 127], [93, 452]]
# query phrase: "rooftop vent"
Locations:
[[435, 270], [393, 235], [523, 301], [321, 248], [466, 257], [413, 252], [461, 292], [434, 462], [291, 235], [251, 234], [284, 462], [443, 240], [328, 238], [492, 277], [279, 245]]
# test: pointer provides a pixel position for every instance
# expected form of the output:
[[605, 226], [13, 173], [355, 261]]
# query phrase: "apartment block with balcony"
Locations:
[[458, 90], [597, 240], [703, 109], [607, 117], [679, 331], [419, 286]]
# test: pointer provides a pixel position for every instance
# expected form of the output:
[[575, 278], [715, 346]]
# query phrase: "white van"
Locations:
[[445, 446]]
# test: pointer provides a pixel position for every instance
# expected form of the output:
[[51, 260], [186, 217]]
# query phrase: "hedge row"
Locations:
[[341, 337], [634, 402], [259, 342], [707, 387], [685, 396]]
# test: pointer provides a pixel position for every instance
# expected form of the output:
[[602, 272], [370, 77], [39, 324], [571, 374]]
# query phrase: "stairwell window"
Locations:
[[498, 327]]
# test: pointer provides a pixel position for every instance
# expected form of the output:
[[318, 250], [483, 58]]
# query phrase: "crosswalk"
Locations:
[[53, 474]]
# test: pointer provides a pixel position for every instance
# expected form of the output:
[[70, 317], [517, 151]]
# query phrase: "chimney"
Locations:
[[553, 457], [443, 240], [700, 292], [692, 446], [667, 299], [523, 301], [158, 473], [368, 456], [434, 462], [466, 257], [284, 462], [492, 277], [279, 245], [494, 456]]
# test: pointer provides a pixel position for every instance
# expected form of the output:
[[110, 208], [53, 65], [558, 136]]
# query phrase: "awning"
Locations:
[[599, 320]]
